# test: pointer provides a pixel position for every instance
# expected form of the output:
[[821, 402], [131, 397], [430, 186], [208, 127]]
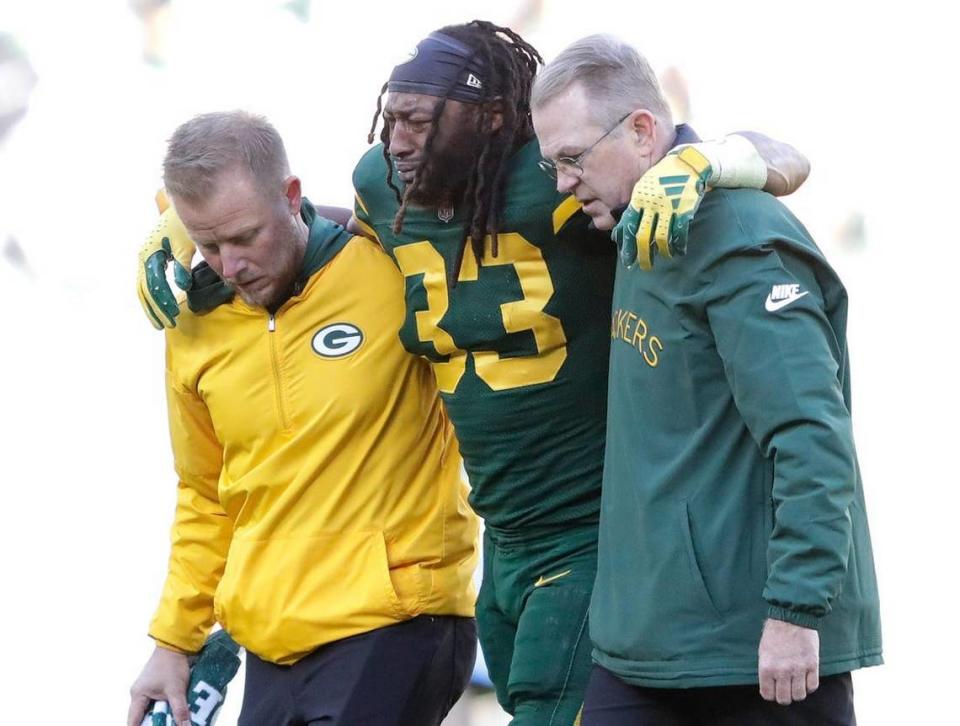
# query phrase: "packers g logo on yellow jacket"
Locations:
[[337, 340]]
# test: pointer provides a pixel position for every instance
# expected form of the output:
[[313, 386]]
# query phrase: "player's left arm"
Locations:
[[786, 168], [665, 199], [340, 215]]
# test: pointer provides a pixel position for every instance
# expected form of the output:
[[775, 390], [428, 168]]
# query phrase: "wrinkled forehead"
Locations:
[[407, 104], [565, 124], [454, 121]]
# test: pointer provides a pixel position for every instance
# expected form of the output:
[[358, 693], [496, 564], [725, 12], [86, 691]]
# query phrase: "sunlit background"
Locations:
[[90, 90]]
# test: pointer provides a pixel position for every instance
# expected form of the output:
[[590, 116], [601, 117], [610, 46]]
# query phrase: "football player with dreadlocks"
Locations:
[[508, 293]]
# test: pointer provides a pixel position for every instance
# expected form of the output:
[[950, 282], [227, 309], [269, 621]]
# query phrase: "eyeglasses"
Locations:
[[573, 165]]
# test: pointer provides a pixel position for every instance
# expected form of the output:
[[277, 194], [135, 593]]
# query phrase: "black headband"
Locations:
[[441, 66]]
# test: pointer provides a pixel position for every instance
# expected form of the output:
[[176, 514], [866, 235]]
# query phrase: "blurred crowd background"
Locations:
[[89, 92]]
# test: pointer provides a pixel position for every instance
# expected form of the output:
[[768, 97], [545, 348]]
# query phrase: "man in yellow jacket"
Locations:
[[321, 518]]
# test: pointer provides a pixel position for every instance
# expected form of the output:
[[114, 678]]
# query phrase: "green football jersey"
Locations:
[[518, 344]]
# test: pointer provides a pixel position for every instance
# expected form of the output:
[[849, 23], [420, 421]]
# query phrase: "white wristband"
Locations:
[[736, 163]]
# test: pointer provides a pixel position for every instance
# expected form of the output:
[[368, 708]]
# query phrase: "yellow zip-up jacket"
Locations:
[[320, 493]]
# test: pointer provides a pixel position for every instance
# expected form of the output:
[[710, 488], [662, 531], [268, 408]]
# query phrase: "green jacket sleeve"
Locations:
[[784, 364]]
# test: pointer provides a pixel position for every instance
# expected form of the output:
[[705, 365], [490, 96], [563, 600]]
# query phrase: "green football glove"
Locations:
[[661, 208], [214, 668], [168, 242]]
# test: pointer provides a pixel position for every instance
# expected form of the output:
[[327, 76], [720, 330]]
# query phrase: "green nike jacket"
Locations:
[[731, 490]]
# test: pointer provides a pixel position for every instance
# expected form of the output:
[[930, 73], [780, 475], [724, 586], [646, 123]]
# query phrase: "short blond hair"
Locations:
[[212, 143]]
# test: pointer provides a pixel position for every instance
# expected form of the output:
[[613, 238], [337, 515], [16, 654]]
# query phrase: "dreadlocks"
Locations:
[[511, 64]]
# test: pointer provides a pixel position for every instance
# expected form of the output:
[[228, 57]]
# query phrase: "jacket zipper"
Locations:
[[275, 365]]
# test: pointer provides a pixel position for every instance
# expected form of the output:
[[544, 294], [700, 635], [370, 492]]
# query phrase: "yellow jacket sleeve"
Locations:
[[201, 530]]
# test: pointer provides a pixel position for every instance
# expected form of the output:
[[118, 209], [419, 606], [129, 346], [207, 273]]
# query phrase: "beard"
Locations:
[[269, 297], [442, 180], [285, 270]]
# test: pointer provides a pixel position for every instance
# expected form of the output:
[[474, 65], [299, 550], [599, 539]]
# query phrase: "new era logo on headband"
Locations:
[[412, 55], [443, 66]]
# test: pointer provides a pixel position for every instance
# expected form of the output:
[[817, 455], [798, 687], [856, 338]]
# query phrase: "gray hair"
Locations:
[[613, 74], [208, 145]]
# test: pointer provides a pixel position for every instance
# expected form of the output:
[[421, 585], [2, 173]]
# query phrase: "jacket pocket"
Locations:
[[283, 597], [693, 562]]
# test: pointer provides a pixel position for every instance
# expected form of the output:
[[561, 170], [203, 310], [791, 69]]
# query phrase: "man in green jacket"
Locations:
[[734, 547]]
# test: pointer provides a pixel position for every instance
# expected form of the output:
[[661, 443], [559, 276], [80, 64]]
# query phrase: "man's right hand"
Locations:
[[789, 665], [164, 678], [168, 241]]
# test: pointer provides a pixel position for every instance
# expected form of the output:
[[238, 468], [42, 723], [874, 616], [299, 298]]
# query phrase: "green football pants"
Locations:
[[532, 622]]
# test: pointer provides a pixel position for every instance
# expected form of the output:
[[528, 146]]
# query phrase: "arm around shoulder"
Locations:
[[787, 168], [751, 160], [340, 215]]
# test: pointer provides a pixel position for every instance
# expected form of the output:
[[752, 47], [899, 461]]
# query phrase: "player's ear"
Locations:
[[496, 114], [293, 192], [642, 125]]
